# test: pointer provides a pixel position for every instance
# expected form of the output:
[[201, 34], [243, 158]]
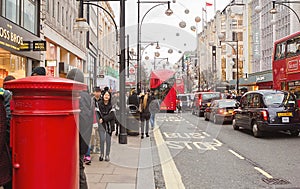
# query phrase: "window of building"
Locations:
[[67, 21], [58, 15], [62, 16], [47, 5], [11, 10], [30, 16], [53, 8]]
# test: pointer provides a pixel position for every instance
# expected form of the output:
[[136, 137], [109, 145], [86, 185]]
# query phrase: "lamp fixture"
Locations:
[[169, 11], [157, 46], [81, 25]]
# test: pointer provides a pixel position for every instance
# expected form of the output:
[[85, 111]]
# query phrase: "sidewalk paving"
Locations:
[[130, 166]]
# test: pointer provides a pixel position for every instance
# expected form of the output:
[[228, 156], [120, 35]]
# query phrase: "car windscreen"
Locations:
[[278, 99], [210, 96], [229, 103], [182, 98]]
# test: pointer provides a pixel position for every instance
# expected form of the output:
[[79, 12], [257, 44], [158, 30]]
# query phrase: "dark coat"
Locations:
[[107, 114], [133, 99], [5, 163], [145, 113], [86, 118]]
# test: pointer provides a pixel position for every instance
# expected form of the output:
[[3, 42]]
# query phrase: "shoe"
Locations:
[[107, 158], [101, 157], [142, 136], [147, 135], [87, 160]]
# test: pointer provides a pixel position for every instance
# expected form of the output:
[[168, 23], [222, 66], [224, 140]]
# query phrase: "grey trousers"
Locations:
[[143, 126], [105, 138]]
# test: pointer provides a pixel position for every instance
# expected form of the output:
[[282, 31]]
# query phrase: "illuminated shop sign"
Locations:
[[25, 46], [14, 37], [9, 38], [39, 46]]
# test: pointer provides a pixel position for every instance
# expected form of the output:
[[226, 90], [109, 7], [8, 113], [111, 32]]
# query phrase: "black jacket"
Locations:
[[107, 113], [133, 99], [145, 113], [5, 163], [86, 118]]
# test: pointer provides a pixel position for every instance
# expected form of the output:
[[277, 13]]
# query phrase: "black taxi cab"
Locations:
[[267, 110]]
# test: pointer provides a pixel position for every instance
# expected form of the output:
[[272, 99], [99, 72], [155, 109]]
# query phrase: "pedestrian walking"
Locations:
[[85, 123], [5, 160], [106, 119], [144, 114], [7, 95], [154, 107], [133, 98], [95, 136]]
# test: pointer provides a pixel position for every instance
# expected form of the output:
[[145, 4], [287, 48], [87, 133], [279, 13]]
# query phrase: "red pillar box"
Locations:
[[44, 132]]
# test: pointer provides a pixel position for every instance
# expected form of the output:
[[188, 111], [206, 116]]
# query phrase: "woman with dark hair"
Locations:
[[106, 118]]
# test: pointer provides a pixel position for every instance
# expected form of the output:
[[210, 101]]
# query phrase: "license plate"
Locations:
[[285, 119], [230, 111], [284, 114]]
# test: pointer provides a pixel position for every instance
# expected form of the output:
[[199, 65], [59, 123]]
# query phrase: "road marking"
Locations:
[[206, 134], [171, 175], [236, 154], [263, 172]]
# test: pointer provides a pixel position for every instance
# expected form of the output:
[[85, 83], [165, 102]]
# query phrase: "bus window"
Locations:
[[280, 51], [291, 48]]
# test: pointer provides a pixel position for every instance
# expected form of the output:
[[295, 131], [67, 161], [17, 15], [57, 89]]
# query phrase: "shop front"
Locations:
[[17, 55], [256, 81]]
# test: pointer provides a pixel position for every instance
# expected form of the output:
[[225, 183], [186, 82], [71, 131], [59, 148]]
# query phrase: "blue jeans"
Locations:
[[152, 120], [88, 153]]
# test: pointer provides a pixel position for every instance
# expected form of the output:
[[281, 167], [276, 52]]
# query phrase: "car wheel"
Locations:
[[294, 133], [235, 127], [256, 132]]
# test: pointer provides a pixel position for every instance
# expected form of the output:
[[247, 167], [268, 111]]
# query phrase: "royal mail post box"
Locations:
[[44, 132]]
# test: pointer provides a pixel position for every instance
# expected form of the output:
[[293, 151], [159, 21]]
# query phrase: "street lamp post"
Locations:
[[161, 59], [80, 21], [237, 57], [139, 26], [283, 3]]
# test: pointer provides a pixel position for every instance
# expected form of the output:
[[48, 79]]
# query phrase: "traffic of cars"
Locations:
[[260, 111]]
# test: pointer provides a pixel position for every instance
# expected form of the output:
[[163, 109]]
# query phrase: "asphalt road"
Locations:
[[216, 156]]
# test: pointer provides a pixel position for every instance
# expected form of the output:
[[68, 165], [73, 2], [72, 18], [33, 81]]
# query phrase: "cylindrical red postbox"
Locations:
[[45, 132]]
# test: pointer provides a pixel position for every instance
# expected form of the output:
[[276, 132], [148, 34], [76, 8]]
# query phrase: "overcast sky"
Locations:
[[165, 29]]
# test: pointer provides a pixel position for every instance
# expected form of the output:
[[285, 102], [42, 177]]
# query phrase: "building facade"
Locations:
[[19, 24], [66, 47], [108, 49]]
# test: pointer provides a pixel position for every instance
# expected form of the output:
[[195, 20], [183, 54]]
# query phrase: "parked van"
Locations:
[[202, 100]]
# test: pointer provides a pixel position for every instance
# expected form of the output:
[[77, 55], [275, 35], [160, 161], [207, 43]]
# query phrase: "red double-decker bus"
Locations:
[[164, 82], [286, 64]]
